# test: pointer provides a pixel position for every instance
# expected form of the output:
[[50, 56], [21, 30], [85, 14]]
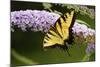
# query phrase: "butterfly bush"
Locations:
[[37, 20], [77, 28], [85, 34]]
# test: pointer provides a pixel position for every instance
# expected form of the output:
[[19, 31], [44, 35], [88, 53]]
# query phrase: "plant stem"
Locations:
[[85, 58]]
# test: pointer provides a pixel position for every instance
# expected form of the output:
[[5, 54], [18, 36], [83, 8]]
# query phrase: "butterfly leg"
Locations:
[[65, 48]]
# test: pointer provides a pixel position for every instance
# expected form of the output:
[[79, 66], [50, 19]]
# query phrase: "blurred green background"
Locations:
[[26, 47]]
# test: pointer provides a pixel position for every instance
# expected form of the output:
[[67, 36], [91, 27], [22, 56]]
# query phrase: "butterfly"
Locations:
[[60, 34]]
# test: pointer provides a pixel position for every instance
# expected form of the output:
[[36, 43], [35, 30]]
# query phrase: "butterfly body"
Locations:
[[60, 35]]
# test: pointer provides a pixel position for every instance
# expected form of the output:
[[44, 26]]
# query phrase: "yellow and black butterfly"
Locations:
[[61, 33]]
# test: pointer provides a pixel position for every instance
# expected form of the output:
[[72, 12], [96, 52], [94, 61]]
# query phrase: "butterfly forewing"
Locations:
[[66, 25]]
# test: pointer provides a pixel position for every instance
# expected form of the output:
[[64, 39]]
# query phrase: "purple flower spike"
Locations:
[[34, 19], [90, 48], [77, 28]]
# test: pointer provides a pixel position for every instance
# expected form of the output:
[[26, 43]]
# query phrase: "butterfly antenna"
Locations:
[[68, 52]]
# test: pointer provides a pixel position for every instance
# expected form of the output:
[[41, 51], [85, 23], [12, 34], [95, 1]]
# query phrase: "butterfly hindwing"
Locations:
[[60, 31]]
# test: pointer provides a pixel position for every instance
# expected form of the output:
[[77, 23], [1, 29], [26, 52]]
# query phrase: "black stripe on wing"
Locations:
[[55, 30], [64, 17]]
